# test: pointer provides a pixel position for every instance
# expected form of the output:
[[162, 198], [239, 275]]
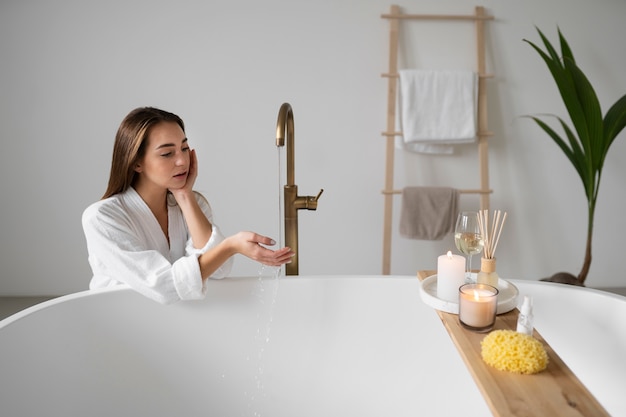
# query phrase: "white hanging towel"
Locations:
[[438, 110]]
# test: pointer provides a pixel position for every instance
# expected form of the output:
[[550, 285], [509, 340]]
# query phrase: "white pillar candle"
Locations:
[[478, 304], [450, 276]]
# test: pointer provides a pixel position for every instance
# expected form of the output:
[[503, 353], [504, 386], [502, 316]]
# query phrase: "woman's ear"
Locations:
[[138, 167]]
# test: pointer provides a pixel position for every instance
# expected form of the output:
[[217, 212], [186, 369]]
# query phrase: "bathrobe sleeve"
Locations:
[[123, 249], [216, 238]]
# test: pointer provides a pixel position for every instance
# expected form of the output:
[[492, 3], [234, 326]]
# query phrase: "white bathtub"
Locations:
[[295, 346]]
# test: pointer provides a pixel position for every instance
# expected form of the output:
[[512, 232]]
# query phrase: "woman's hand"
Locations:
[[192, 174], [198, 225], [250, 244]]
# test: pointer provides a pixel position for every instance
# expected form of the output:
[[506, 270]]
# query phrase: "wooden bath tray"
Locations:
[[556, 391]]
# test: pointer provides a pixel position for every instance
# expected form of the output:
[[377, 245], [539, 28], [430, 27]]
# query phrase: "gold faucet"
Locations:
[[293, 202]]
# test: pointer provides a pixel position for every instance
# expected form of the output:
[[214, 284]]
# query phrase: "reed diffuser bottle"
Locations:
[[488, 274], [491, 236]]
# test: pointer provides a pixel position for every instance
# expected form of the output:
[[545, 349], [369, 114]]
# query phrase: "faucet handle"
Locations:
[[311, 202], [317, 197]]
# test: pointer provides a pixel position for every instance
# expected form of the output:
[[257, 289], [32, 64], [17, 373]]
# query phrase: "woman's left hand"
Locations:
[[192, 174]]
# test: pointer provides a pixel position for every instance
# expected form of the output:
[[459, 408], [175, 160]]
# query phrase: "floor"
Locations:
[[616, 290], [11, 305]]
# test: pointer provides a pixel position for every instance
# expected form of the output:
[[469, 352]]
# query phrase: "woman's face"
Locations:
[[165, 163]]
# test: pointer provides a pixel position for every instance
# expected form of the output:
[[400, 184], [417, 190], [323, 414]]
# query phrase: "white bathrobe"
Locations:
[[127, 246]]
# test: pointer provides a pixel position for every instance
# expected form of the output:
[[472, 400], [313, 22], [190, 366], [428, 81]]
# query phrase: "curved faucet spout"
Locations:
[[292, 201], [285, 130]]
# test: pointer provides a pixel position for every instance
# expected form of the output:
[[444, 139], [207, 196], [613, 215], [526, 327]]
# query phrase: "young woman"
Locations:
[[150, 230]]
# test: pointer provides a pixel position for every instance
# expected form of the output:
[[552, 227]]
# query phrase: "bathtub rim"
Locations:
[[123, 287]]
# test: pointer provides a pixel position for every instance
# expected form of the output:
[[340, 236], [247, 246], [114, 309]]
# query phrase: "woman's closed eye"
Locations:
[[171, 153]]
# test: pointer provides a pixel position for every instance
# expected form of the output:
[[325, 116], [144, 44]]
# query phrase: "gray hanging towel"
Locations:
[[428, 213]]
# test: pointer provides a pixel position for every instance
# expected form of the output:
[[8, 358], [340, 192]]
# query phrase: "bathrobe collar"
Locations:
[[176, 226]]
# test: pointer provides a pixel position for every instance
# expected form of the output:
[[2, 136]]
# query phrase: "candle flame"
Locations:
[[449, 254], [476, 295]]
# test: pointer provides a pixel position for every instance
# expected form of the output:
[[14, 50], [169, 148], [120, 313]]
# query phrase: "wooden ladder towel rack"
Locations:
[[395, 16]]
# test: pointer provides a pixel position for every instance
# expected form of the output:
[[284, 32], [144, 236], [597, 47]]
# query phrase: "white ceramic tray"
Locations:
[[507, 297]]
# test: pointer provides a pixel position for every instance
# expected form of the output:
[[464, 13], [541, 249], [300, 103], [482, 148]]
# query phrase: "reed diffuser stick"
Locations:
[[491, 236], [499, 233]]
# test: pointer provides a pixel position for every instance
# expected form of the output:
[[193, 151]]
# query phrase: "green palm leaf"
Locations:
[[615, 120]]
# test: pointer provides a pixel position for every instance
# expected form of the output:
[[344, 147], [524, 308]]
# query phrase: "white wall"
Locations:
[[71, 70]]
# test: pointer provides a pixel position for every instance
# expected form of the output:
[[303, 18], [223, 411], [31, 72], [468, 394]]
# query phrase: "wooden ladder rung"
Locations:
[[395, 75], [467, 191], [480, 134], [435, 16]]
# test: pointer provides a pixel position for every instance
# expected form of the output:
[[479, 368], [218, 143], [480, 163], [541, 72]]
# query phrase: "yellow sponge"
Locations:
[[511, 351]]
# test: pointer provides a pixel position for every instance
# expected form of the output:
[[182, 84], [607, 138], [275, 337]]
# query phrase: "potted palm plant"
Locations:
[[587, 143]]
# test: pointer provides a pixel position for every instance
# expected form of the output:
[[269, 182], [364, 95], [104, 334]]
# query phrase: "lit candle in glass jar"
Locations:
[[478, 304]]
